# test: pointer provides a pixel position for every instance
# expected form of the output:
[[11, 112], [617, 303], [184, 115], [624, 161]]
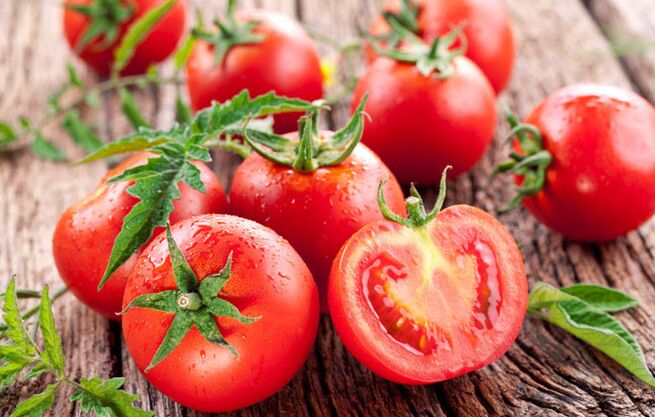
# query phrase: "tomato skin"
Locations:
[[85, 233], [156, 46], [286, 62], [361, 329], [317, 211], [488, 31], [269, 280], [419, 125], [601, 183]]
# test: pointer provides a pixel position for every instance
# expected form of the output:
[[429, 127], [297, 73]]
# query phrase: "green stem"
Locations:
[[230, 145], [31, 312]]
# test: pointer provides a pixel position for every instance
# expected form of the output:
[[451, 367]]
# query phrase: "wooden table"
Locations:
[[546, 372]]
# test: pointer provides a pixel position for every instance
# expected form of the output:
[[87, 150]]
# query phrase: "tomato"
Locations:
[[268, 281], [85, 233], [154, 48], [601, 182], [422, 303], [487, 28], [419, 124], [285, 61]]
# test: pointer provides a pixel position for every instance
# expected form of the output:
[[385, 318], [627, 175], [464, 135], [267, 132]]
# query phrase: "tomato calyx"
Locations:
[[310, 151], [435, 58], [407, 17], [417, 215], [531, 164], [105, 17], [193, 303], [230, 32]]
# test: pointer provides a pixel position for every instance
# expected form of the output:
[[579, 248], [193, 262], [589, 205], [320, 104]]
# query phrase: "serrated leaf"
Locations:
[[12, 366], [144, 139], [7, 134], [80, 132], [15, 328], [131, 110], [36, 371], [105, 398], [603, 298], [52, 355], [156, 186], [43, 148], [37, 404], [137, 32]]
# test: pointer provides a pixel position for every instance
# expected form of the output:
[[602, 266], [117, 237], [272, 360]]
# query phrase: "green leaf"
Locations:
[[590, 325], [15, 328], [37, 404], [43, 148], [603, 298], [156, 186], [38, 370], [144, 139], [183, 113], [92, 98], [182, 53], [137, 32], [7, 134], [185, 278], [105, 398], [131, 110], [14, 361], [73, 78], [80, 132], [52, 355]]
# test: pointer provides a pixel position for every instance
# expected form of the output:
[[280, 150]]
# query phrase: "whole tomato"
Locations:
[[426, 298], [487, 29], [245, 317], [277, 56], [421, 121], [318, 207], [116, 17], [85, 234], [588, 162]]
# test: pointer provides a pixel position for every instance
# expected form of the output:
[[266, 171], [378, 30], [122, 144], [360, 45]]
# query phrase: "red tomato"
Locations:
[[419, 125], [268, 280], [425, 304], [315, 211], [487, 30], [286, 61], [154, 48], [601, 182], [85, 234]]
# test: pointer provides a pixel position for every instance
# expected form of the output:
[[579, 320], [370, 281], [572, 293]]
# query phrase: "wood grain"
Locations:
[[546, 372]]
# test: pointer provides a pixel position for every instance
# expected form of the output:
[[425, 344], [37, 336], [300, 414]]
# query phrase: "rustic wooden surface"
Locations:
[[545, 373]]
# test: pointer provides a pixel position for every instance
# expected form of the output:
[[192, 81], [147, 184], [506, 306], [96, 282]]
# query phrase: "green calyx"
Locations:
[[194, 302], [406, 17], [309, 152], [417, 215], [435, 58], [105, 17], [229, 33], [531, 164]]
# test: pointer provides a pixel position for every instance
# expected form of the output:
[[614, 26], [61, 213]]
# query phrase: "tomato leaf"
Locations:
[[7, 134], [183, 113], [80, 132], [603, 298], [182, 53], [37, 404], [136, 33], [591, 325], [144, 139], [43, 148], [52, 355], [104, 398], [131, 110]]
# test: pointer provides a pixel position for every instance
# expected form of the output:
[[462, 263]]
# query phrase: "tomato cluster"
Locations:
[[228, 304]]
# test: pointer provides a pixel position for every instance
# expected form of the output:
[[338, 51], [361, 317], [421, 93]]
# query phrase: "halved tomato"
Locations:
[[431, 297]]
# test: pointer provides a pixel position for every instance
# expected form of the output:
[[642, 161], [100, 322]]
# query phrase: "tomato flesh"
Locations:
[[423, 305]]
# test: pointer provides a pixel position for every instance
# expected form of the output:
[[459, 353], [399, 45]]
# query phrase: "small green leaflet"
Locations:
[[106, 399], [586, 321], [36, 405], [53, 355], [183, 113], [136, 33], [7, 134], [81, 134], [43, 148], [131, 110], [194, 303]]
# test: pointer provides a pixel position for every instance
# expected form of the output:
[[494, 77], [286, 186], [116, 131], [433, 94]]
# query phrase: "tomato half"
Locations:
[[154, 48], [315, 211], [421, 305], [601, 182], [268, 280], [85, 233], [487, 28], [418, 125], [286, 62]]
